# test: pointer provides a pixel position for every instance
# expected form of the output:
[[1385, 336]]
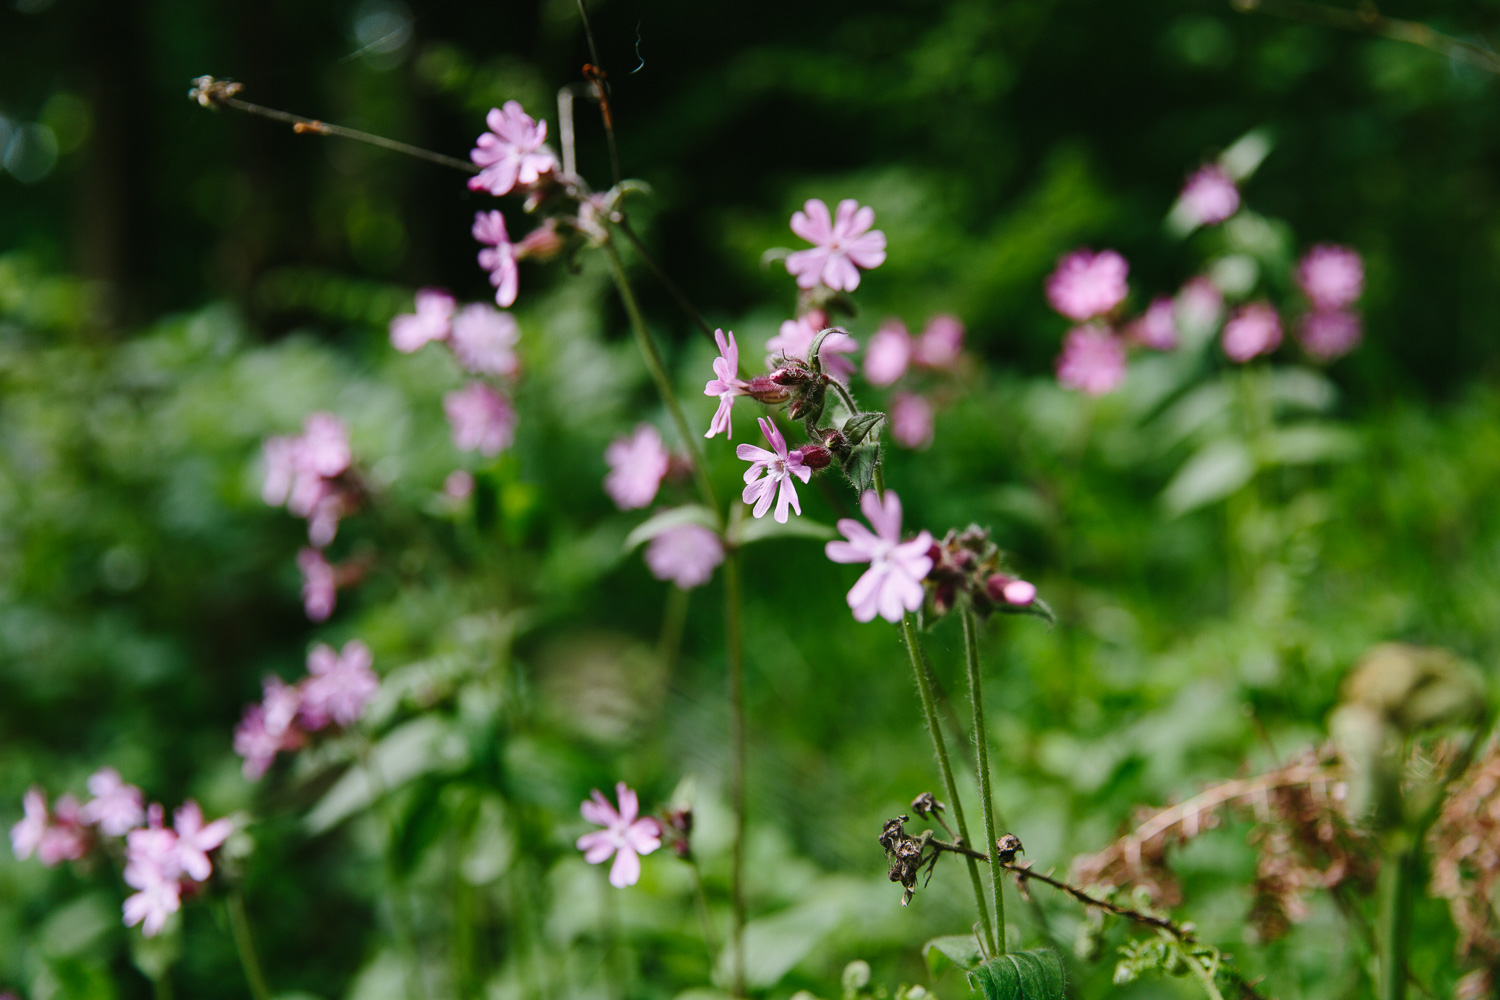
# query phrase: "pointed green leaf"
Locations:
[[675, 518], [955, 949], [1021, 975], [860, 426], [860, 467], [760, 528], [1219, 469]]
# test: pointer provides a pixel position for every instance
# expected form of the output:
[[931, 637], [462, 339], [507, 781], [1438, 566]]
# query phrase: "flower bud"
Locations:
[[764, 389], [815, 456], [542, 243], [794, 373], [1000, 587]]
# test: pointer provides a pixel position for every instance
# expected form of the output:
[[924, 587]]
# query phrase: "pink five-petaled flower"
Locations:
[[484, 340], [1254, 329], [687, 555], [636, 466], [795, 338], [1156, 328], [411, 331], [889, 353], [941, 343], [1331, 276], [911, 420], [893, 583], [769, 469], [1329, 333], [153, 866], [498, 256], [511, 152], [844, 245], [195, 839], [319, 584], [1087, 284], [1092, 361], [626, 835], [1209, 196], [481, 418], [726, 384], [339, 685], [116, 808]]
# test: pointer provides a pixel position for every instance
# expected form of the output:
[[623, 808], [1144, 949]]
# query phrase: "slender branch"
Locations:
[[982, 765], [211, 93], [1397, 877], [1366, 20], [244, 943], [673, 289], [597, 77], [929, 708], [1024, 873]]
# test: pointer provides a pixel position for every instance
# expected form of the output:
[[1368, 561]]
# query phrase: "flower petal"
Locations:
[[626, 870]]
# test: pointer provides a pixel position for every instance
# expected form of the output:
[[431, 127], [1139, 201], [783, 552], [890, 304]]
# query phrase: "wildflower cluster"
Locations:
[[895, 355], [310, 475], [335, 692], [162, 864]]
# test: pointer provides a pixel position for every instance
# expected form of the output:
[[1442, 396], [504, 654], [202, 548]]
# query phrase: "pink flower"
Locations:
[[889, 353], [1200, 304], [459, 484], [1329, 333], [941, 343], [686, 555], [282, 460], [893, 583], [195, 840], [636, 467], [1092, 361], [339, 685], [268, 728], [795, 339], [323, 519], [411, 331], [319, 584], [26, 836], [911, 420], [116, 807], [481, 418], [626, 835], [726, 384], [1156, 328], [157, 900], [65, 838], [1253, 329], [1015, 592], [769, 469], [325, 446], [512, 151], [843, 245], [1331, 276], [484, 340], [1086, 284], [1209, 196], [498, 256]]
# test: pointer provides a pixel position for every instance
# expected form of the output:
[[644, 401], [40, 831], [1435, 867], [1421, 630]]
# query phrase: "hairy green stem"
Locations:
[[736, 767], [982, 766], [1397, 876], [929, 708], [244, 943]]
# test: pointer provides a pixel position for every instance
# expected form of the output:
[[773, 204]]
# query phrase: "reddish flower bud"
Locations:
[[1008, 589], [815, 457], [763, 389], [795, 373]]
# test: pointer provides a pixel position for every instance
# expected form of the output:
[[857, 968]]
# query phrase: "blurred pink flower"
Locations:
[[281, 458], [498, 256], [636, 466], [685, 555], [844, 244], [1087, 284], [325, 446], [64, 837], [626, 835], [941, 343], [1329, 333], [459, 484], [1092, 361], [795, 339], [116, 807], [269, 727], [410, 331], [893, 583], [484, 340], [323, 519], [512, 151], [1156, 328], [726, 384], [1332, 276], [1209, 196], [889, 353], [195, 839], [1200, 305], [770, 469], [319, 584], [153, 866], [26, 836], [1253, 329], [481, 418], [339, 685], [911, 420]]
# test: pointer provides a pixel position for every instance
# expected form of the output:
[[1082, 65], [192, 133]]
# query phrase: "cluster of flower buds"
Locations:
[[967, 564], [335, 692], [163, 864]]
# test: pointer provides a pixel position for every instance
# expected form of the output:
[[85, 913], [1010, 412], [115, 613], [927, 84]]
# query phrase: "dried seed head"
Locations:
[[1008, 846]]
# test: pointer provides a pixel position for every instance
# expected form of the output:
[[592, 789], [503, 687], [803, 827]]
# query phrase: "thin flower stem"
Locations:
[[673, 289], [674, 620], [929, 708], [244, 943], [598, 80], [705, 917], [732, 624], [982, 765], [1397, 876]]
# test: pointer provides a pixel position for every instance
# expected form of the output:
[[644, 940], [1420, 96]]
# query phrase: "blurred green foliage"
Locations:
[[178, 285]]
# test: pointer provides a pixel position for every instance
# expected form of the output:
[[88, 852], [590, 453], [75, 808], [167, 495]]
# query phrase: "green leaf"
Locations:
[[425, 745], [674, 518], [860, 467], [1303, 389], [1021, 975], [1217, 470], [1038, 608], [955, 949], [1306, 444], [758, 529], [860, 426]]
